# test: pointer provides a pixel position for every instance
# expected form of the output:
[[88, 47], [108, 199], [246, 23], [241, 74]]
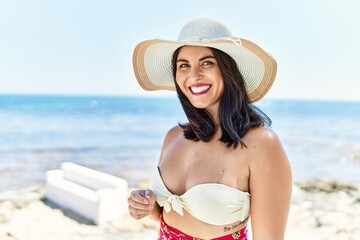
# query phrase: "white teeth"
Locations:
[[200, 89]]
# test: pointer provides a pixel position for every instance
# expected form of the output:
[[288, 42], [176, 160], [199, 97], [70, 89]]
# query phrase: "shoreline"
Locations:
[[320, 209]]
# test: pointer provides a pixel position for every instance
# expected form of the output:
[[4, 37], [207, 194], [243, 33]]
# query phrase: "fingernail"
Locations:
[[147, 194]]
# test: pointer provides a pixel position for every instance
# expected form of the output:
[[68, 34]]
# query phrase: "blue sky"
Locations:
[[84, 47]]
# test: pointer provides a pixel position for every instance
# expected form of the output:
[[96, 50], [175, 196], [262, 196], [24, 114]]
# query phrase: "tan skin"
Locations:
[[261, 168]]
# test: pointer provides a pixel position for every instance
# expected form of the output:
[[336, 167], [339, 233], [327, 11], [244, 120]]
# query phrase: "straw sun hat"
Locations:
[[152, 58]]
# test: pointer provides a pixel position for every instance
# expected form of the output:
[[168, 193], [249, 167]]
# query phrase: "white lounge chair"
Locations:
[[97, 196]]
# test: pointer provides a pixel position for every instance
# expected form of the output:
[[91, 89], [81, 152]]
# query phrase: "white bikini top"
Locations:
[[212, 203]]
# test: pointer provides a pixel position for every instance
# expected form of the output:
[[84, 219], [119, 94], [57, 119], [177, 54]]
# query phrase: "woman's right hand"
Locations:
[[141, 203]]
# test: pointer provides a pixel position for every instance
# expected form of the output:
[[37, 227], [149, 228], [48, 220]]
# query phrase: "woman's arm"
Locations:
[[270, 187], [143, 203]]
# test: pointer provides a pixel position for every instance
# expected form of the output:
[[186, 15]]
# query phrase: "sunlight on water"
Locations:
[[123, 136]]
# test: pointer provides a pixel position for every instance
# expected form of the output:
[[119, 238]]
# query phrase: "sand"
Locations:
[[320, 209]]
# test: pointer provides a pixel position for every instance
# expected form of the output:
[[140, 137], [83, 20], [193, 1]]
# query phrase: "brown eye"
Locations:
[[207, 63], [183, 65]]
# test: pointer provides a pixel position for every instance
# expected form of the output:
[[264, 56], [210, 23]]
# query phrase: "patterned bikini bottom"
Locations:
[[167, 232]]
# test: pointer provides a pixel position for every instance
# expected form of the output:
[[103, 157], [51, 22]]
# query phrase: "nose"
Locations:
[[195, 74]]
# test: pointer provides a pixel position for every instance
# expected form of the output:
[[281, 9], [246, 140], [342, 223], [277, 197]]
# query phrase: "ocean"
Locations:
[[122, 136]]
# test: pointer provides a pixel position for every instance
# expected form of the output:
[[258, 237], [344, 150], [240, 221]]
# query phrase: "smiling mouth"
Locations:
[[200, 89]]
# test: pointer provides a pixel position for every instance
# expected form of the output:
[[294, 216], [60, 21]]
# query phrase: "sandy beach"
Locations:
[[321, 209]]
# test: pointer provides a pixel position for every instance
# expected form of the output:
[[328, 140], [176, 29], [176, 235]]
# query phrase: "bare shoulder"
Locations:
[[265, 146], [262, 135], [174, 135], [176, 130]]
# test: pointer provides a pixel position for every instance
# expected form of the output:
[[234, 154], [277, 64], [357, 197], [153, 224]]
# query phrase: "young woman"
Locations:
[[225, 166]]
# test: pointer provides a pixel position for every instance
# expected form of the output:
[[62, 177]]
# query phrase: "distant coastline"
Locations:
[[107, 133], [166, 94]]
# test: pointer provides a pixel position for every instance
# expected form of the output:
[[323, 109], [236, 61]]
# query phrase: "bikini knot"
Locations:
[[173, 202]]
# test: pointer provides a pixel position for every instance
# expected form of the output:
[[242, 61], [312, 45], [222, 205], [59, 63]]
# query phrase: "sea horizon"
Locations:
[[165, 94], [122, 135]]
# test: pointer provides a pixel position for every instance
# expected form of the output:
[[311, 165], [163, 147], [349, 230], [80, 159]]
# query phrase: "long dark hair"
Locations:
[[237, 115]]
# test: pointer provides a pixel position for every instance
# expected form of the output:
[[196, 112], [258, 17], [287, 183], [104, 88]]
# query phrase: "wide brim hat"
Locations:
[[152, 59]]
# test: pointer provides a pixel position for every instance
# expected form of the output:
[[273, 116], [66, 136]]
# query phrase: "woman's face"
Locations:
[[199, 77]]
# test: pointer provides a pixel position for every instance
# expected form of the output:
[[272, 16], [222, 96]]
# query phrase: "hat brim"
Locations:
[[153, 70]]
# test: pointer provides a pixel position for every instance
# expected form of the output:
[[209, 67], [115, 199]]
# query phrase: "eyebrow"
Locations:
[[201, 59]]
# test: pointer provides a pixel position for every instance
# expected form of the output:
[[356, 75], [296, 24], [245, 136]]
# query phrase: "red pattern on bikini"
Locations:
[[167, 232]]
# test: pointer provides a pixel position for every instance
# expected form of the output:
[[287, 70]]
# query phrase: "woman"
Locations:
[[225, 164]]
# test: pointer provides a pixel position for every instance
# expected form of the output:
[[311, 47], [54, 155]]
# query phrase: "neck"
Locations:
[[215, 116], [214, 113]]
